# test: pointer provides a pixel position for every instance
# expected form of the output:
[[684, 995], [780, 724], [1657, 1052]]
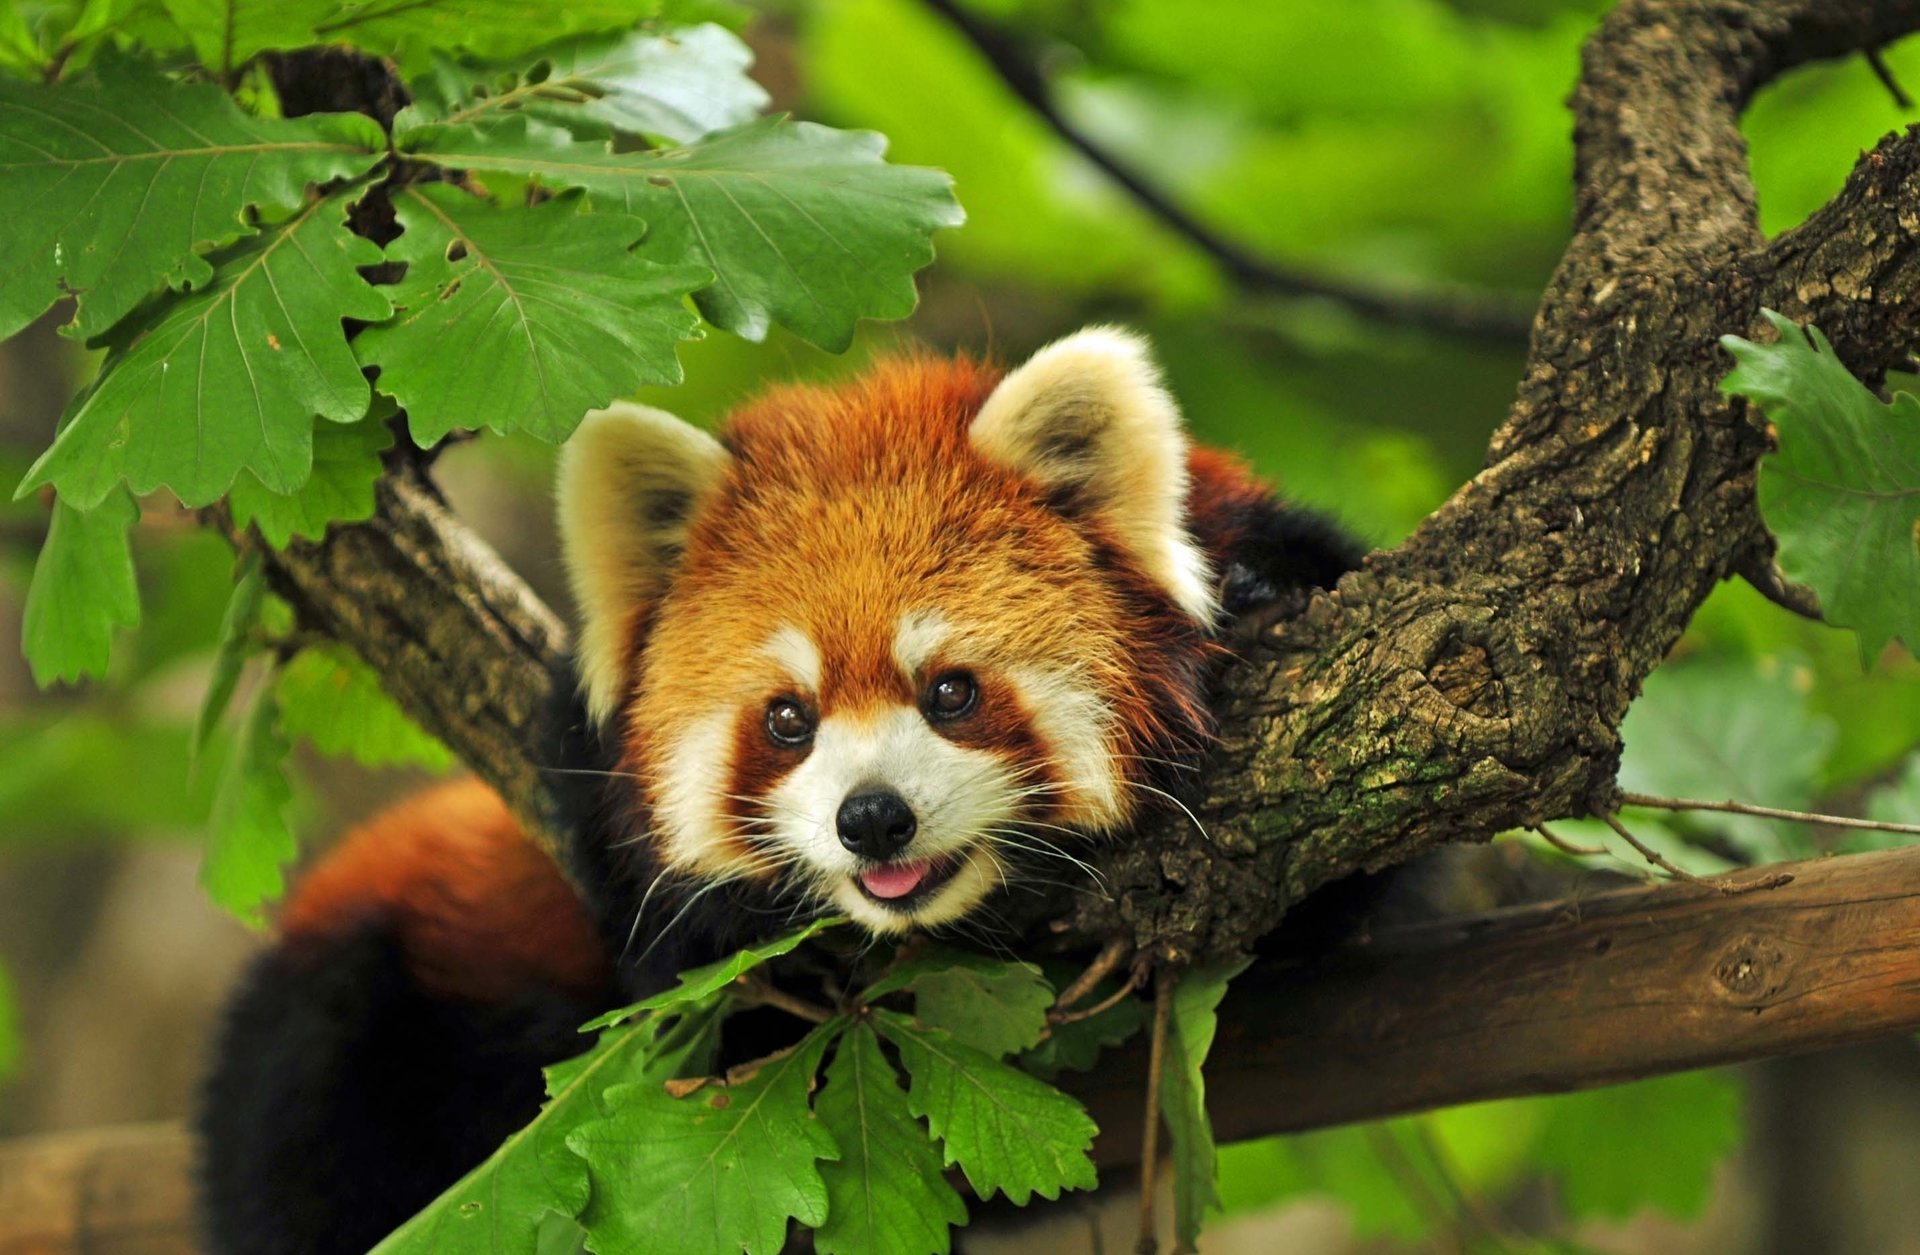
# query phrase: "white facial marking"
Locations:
[[796, 655], [690, 802], [1077, 727], [918, 638], [957, 796]]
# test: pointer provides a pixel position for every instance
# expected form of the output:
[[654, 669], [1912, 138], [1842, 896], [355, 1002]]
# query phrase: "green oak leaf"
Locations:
[[237, 642], [886, 1194], [678, 85], [1737, 729], [1077, 1045], [1007, 1131], [1183, 1094], [1653, 1143], [700, 983], [996, 1005], [228, 377], [334, 700], [1842, 494], [721, 1169], [83, 590], [510, 1204], [117, 187], [482, 28], [226, 34], [250, 840], [346, 463], [800, 224], [522, 319]]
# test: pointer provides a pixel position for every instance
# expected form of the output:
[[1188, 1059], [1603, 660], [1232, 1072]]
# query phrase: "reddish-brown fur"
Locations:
[[480, 913], [845, 507]]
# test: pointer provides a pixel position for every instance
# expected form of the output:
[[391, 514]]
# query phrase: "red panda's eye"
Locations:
[[952, 695], [788, 722]]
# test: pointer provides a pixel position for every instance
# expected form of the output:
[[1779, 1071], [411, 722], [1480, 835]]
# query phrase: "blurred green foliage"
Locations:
[[1401, 143]]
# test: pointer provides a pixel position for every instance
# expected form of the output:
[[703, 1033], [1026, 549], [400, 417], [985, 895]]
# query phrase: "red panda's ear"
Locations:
[[631, 479], [1088, 416]]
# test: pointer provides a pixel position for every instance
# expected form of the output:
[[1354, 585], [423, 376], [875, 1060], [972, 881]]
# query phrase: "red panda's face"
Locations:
[[886, 636]]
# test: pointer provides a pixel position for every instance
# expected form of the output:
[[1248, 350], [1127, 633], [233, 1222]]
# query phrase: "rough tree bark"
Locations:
[[1473, 679]]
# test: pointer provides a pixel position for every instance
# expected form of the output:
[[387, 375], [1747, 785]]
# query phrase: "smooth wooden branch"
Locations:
[[1533, 1000]]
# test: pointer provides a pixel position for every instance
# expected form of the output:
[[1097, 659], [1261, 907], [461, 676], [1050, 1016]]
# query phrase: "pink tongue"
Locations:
[[895, 880]]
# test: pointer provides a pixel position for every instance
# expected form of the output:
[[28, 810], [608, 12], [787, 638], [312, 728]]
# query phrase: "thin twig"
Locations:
[[1766, 812], [1565, 846], [766, 995], [1147, 1243], [1887, 80], [1723, 887], [1654, 856], [1107, 1003], [1103, 963], [1463, 315]]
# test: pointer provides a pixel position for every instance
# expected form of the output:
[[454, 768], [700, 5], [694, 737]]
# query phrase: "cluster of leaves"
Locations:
[[558, 210], [638, 1148]]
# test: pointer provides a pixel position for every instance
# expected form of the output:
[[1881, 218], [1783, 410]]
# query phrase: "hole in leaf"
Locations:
[[456, 251]]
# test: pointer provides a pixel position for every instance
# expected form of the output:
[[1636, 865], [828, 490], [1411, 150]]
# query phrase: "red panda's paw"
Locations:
[[479, 912]]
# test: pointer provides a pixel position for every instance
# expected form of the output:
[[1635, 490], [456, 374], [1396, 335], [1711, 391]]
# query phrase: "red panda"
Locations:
[[882, 649]]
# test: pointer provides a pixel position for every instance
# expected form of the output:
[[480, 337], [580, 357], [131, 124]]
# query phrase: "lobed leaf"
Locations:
[[237, 629], [800, 224], [83, 590], [117, 187], [249, 839], [1183, 1094], [1842, 494], [228, 377], [335, 701], [522, 319], [723, 1168], [1077, 1045], [346, 465], [1007, 1131], [996, 1005], [515, 1203], [886, 1194], [484, 28], [700, 983], [678, 85]]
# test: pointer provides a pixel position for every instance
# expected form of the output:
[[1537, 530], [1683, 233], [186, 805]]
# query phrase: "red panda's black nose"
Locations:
[[876, 824]]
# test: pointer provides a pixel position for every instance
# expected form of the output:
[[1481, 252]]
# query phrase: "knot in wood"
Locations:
[[1752, 971]]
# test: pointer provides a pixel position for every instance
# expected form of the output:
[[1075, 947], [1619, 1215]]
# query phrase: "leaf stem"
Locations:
[[1103, 963], [1146, 1243], [763, 994], [1127, 987]]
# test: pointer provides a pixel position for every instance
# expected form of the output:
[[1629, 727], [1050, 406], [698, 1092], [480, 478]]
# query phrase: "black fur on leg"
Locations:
[[1281, 553], [345, 1097]]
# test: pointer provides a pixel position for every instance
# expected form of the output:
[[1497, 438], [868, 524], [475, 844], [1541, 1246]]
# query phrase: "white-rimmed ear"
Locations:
[[630, 481], [1087, 416]]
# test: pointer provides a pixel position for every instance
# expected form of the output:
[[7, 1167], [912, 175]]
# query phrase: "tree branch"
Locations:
[[1474, 679], [1531, 1000], [1462, 314]]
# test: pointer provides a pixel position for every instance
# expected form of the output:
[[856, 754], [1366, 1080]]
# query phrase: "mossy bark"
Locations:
[[1473, 679]]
